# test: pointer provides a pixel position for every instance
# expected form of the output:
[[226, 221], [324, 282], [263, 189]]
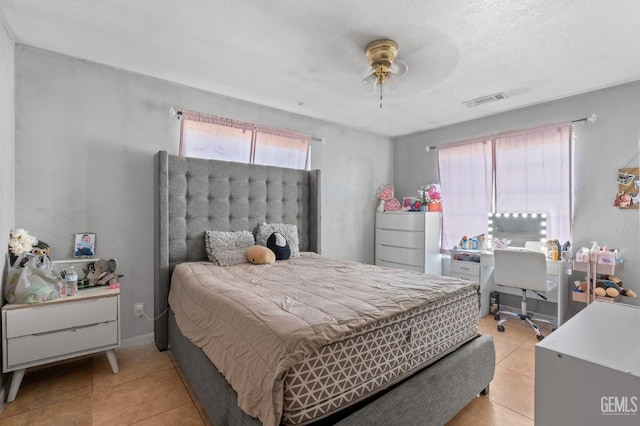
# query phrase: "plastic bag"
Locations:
[[36, 281]]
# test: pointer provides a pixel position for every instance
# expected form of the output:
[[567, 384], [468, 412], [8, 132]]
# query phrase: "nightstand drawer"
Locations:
[[468, 277], [469, 268], [49, 317], [41, 346]]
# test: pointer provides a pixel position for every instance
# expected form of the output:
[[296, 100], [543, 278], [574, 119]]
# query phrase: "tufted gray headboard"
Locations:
[[193, 195]]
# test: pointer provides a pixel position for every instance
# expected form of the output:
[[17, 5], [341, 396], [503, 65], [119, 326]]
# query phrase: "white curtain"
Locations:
[[220, 138], [525, 172], [533, 175], [466, 183]]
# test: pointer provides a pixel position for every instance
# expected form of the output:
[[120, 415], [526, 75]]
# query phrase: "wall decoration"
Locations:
[[628, 187]]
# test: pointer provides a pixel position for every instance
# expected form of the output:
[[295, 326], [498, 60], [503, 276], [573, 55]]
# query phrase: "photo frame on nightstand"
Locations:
[[84, 245]]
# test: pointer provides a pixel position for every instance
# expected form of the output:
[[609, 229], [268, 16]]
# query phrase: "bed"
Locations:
[[196, 195]]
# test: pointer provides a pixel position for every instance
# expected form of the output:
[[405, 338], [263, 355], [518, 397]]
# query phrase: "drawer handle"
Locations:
[[406, 248], [464, 269], [80, 327]]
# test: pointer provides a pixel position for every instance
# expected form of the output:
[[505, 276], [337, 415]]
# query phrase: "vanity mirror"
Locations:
[[517, 227]]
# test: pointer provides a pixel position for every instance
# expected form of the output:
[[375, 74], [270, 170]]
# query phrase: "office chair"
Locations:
[[526, 270]]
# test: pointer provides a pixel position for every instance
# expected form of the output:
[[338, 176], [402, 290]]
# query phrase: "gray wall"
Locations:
[[612, 142], [7, 170], [85, 139]]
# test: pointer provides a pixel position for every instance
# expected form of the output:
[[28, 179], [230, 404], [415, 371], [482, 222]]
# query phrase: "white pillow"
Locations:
[[288, 231], [228, 248]]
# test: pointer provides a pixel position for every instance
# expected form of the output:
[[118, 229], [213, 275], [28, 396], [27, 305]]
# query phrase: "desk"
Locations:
[[482, 273], [588, 370]]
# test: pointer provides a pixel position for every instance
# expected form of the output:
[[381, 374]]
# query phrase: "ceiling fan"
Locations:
[[385, 71]]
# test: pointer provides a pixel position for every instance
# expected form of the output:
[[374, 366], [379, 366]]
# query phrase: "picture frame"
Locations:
[[411, 204], [84, 245], [625, 179], [407, 202]]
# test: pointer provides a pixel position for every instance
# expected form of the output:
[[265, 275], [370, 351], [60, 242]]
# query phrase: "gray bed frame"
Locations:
[[194, 195]]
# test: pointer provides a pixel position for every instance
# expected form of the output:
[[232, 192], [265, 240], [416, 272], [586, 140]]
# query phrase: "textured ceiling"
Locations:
[[303, 55]]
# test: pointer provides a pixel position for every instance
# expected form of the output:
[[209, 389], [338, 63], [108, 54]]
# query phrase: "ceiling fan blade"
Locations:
[[364, 70], [399, 68]]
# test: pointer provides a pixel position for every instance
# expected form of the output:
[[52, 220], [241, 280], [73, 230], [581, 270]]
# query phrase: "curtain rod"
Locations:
[[591, 119], [178, 115]]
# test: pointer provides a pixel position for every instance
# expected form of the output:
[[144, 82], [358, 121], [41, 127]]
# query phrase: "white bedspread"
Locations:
[[256, 321]]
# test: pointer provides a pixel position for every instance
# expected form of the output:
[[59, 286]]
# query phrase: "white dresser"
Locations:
[[409, 240], [40, 333]]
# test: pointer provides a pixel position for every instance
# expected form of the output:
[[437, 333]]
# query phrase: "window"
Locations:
[[527, 172], [219, 138]]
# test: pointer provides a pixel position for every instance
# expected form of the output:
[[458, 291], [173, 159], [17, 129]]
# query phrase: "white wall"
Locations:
[[612, 142], [85, 139], [7, 170]]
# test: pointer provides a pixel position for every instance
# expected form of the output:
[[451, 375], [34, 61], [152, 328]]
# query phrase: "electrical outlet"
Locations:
[[138, 309]]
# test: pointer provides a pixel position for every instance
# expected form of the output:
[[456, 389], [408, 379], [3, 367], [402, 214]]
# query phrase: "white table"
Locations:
[[588, 371]]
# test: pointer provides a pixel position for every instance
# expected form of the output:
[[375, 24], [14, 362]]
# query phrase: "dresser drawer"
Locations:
[[409, 239], [402, 221], [41, 346], [398, 266], [468, 268], [49, 317], [405, 256]]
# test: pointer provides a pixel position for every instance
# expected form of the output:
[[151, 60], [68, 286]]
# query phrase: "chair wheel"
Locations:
[[540, 337], [500, 328], [496, 317]]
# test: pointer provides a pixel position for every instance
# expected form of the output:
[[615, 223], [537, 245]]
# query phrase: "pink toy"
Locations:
[[387, 202]]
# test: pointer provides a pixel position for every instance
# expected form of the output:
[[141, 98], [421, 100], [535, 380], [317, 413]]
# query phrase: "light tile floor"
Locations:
[[149, 389]]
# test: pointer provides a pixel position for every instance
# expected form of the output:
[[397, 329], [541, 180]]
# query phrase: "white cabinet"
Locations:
[[35, 334], [473, 266], [588, 370], [409, 240]]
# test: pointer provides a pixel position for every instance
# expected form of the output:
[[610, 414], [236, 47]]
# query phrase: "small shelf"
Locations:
[[593, 270], [580, 296], [601, 268]]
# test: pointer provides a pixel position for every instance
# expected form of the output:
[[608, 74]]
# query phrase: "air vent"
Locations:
[[485, 99]]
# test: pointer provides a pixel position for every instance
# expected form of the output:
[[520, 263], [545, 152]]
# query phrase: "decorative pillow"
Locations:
[[288, 231], [260, 255], [279, 246], [228, 248]]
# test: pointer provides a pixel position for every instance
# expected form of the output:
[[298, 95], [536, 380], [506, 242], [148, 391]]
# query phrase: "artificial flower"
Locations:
[[20, 241]]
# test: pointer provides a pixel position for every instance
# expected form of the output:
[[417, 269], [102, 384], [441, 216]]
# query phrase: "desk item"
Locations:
[[494, 302], [526, 270]]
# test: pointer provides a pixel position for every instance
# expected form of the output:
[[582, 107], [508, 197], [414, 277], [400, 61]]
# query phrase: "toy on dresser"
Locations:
[[103, 272]]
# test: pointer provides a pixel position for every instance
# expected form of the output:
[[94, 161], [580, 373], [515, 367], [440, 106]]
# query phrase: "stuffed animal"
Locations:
[[612, 286], [260, 255], [387, 201], [103, 272], [277, 243]]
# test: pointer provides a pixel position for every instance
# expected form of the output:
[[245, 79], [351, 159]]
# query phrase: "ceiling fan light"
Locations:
[[369, 83], [386, 71]]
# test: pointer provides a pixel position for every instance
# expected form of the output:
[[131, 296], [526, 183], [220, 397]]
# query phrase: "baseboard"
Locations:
[[137, 341]]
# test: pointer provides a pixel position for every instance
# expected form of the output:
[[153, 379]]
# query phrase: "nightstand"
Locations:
[[36, 334]]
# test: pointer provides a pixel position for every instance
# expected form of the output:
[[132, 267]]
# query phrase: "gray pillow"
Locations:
[[289, 231], [228, 248]]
